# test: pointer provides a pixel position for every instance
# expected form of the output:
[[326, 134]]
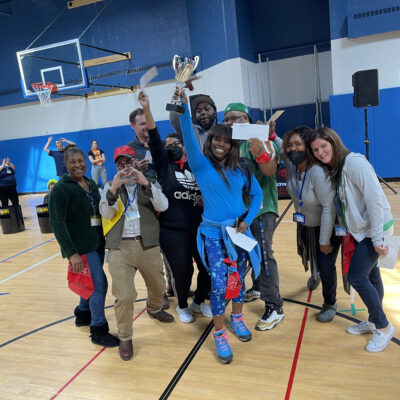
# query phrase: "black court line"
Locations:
[[174, 381], [48, 326]]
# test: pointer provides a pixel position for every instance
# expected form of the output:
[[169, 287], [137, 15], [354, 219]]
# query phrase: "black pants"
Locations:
[[8, 192], [180, 248]]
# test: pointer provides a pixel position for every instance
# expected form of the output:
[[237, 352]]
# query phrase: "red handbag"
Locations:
[[81, 283], [233, 284]]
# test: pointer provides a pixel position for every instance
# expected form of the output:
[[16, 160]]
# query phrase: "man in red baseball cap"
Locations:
[[129, 206]]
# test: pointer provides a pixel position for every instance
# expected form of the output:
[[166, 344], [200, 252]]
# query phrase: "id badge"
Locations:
[[340, 230], [8, 170], [95, 220], [300, 218], [132, 215]]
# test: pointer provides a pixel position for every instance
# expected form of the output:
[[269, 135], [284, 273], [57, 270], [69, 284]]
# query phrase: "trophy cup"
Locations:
[[183, 67]]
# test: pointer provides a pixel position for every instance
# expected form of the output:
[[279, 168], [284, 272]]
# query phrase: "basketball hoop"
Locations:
[[44, 91]]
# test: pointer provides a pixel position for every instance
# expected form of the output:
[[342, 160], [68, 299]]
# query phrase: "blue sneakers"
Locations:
[[224, 351], [239, 328]]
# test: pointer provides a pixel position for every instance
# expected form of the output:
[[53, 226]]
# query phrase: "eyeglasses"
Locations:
[[233, 118], [295, 145], [176, 143], [127, 163]]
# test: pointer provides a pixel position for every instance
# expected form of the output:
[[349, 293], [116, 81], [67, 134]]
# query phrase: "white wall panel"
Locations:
[[370, 52]]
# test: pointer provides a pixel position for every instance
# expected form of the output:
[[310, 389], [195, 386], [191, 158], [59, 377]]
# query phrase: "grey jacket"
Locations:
[[317, 196], [366, 209], [199, 133]]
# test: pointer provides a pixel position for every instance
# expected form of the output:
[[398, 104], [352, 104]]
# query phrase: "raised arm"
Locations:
[[67, 141], [195, 158], [265, 155], [156, 146], [46, 147]]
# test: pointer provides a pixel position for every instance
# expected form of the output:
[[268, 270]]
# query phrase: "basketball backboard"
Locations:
[[59, 63]]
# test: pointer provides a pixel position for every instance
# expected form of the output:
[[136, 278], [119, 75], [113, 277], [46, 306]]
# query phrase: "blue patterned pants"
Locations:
[[216, 253]]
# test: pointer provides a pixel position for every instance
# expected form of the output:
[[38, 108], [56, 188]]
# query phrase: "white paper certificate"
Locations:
[[148, 76], [241, 240], [249, 131]]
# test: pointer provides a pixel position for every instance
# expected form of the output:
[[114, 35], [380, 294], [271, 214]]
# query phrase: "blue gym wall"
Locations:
[[220, 31]]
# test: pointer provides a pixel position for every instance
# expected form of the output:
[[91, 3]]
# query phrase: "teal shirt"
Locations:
[[70, 210], [267, 183]]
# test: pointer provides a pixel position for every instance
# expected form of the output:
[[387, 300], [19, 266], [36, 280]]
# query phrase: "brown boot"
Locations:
[[162, 316], [165, 302], [126, 349]]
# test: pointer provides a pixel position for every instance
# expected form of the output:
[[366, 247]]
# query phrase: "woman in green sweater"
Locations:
[[76, 223]]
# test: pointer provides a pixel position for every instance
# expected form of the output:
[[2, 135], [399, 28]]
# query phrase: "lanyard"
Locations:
[[130, 201], [300, 191], [264, 247], [337, 203], [91, 198]]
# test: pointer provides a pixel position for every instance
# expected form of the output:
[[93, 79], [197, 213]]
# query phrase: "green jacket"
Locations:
[[70, 210]]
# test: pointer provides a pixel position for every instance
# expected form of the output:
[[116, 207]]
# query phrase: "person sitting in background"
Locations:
[[58, 155], [97, 158], [222, 176], [365, 213], [75, 220], [179, 223], [50, 185], [8, 183], [129, 206], [313, 196]]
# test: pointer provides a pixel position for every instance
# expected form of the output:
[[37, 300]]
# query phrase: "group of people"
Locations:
[[175, 199]]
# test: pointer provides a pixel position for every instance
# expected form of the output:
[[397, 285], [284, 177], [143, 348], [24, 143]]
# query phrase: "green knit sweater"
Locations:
[[70, 210]]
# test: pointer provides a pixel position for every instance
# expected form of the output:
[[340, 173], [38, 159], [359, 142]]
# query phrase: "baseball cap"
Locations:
[[126, 151], [202, 98], [238, 107]]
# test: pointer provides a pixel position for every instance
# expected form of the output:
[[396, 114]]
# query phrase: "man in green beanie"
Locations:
[[264, 158]]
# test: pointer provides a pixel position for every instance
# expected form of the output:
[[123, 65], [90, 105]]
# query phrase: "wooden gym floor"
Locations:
[[44, 356]]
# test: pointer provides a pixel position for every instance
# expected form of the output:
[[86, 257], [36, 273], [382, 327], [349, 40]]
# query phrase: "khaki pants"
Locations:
[[123, 263]]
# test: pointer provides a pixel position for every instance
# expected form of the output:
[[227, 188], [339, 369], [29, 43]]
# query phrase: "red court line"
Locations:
[[296, 354], [88, 363]]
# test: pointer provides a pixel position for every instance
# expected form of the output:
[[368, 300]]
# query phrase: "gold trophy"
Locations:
[[183, 67]]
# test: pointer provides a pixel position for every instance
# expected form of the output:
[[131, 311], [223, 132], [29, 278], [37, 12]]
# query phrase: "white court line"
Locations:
[[29, 268]]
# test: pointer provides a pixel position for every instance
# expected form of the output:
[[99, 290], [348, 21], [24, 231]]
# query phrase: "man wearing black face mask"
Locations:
[[205, 116], [179, 223]]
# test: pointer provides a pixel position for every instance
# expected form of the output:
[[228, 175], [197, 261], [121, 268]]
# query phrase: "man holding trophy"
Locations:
[[202, 105]]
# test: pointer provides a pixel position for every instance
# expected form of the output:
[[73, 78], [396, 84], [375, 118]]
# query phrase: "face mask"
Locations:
[[297, 157], [174, 153]]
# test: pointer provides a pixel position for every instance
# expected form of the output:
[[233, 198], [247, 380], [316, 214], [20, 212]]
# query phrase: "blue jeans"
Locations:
[[365, 277], [97, 300], [99, 171], [216, 253]]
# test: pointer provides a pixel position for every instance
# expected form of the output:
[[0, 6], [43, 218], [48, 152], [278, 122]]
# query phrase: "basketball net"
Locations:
[[43, 91]]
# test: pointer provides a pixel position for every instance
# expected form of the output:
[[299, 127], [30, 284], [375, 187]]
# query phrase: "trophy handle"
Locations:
[[196, 60], [174, 60]]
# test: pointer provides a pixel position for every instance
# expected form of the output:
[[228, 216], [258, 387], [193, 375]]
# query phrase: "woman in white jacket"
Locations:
[[365, 214]]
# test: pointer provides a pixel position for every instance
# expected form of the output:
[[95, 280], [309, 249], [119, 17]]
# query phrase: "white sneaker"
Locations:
[[185, 315], [202, 308], [362, 327], [380, 340]]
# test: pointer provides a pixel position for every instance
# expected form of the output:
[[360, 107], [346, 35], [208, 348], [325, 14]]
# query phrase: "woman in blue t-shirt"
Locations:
[[222, 177]]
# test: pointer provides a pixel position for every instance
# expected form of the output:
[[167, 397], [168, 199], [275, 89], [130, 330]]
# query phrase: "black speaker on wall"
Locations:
[[366, 92]]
